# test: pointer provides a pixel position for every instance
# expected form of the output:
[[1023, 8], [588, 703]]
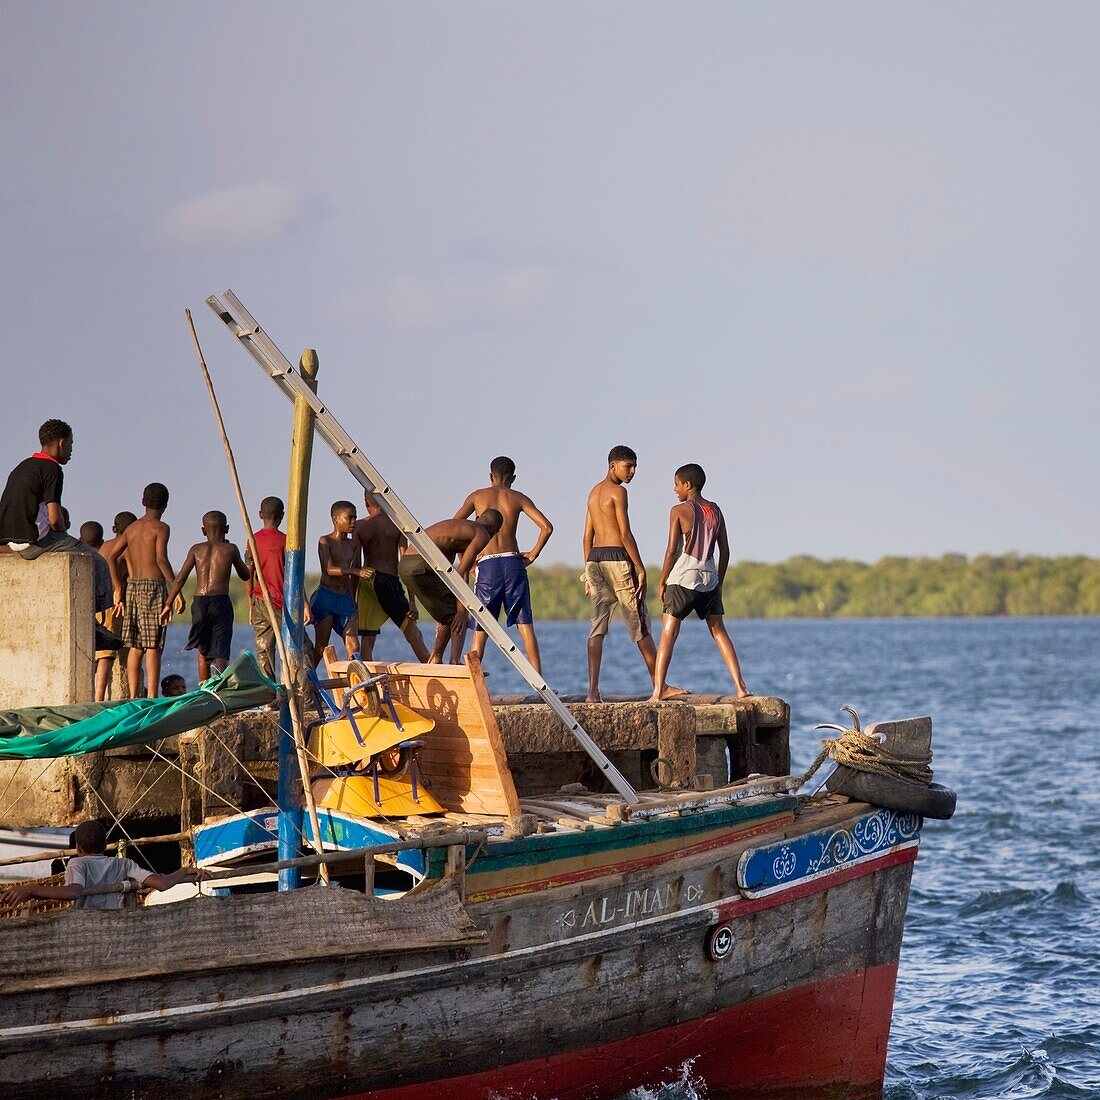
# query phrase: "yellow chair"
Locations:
[[369, 732]]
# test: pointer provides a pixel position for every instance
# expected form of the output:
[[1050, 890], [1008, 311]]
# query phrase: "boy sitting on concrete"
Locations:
[[30, 506]]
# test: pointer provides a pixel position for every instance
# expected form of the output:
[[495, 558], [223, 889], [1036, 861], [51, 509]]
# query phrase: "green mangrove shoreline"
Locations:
[[811, 588]]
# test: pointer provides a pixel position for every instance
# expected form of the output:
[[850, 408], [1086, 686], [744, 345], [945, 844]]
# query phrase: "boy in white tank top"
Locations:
[[690, 580]]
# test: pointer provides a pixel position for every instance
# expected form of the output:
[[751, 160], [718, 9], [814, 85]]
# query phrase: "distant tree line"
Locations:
[[806, 587]]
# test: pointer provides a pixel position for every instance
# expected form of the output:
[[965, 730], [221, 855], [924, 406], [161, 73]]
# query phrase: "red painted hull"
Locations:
[[826, 1039]]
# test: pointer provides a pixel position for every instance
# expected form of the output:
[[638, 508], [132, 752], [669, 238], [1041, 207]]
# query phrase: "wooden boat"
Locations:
[[566, 945]]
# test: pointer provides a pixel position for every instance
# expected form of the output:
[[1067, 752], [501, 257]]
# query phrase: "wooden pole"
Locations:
[[297, 501], [292, 728], [294, 580]]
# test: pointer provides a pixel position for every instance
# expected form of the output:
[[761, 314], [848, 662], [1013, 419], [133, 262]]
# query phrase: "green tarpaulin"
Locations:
[[40, 732]]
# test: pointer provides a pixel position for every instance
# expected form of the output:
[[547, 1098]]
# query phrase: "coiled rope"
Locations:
[[864, 753]]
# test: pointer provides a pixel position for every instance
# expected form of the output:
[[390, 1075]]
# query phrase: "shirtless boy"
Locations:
[[211, 609], [502, 569], [144, 546], [689, 579], [614, 574], [380, 595], [333, 604], [105, 658], [454, 537]]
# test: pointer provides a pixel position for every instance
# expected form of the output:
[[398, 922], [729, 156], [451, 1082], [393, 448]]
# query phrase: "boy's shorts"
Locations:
[[337, 606], [379, 598], [681, 602], [211, 627], [609, 582], [502, 583], [424, 585], [109, 620], [145, 598]]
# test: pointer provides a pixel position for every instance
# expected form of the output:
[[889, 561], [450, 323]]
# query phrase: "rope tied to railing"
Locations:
[[864, 752]]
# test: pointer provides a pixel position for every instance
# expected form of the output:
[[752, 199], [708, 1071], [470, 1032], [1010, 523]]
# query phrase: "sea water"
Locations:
[[998, 991]]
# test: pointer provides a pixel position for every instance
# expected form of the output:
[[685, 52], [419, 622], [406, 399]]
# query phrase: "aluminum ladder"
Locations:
[[244, 327]]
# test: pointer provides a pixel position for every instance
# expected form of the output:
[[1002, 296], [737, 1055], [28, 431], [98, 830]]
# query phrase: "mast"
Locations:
[[290, 793]]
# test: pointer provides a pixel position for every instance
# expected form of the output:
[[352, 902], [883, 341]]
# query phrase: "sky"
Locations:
[[843, 256]]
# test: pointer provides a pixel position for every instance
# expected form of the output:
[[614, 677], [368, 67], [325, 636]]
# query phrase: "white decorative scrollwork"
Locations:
[[869, 835], [784, 864]]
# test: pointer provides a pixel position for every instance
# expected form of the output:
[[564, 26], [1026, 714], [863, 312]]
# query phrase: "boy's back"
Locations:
[[146, 547], [701, 528], [453, 536], [214, 564], [380, 541], [606, 508], [121, 563], [102, 870], [510, 505]]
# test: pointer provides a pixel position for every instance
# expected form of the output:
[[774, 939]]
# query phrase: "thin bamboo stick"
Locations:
[[291, 687]]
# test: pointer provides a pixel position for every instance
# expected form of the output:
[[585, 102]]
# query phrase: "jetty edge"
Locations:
[[557, 929]]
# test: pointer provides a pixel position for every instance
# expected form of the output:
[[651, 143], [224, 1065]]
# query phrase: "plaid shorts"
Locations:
[[144, 601]]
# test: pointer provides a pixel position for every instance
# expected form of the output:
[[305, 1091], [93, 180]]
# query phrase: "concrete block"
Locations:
[[47, 631]]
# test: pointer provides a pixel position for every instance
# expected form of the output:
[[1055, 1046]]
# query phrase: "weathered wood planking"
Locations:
[[463, 761], [802, 999]]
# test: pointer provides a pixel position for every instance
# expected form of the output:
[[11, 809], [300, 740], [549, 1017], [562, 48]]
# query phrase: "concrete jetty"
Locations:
[[47, 656]]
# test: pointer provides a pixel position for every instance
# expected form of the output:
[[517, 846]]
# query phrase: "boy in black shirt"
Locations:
[[31, 521]]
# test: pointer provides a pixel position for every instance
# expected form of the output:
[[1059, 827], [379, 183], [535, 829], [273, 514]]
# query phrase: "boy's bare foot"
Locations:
[[590, 698], [668, 692]]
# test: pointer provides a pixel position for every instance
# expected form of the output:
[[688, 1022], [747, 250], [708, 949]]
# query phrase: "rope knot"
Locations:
[[863, 752]]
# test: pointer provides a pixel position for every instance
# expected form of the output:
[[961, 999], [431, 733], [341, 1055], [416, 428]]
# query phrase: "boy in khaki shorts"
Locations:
[[614, 575]]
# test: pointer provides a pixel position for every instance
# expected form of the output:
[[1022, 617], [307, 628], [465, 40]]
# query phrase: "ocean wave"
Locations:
[[1065, 894], [1038, 1073]]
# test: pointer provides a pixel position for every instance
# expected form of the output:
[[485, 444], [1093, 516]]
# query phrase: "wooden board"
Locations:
[[463, 761]]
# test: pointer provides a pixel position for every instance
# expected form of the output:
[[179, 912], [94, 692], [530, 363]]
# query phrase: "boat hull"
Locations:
[[825, 1038], [583, 989]]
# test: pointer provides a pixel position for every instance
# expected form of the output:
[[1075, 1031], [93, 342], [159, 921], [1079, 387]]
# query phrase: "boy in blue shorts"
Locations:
[[332, 606], [501, 568]]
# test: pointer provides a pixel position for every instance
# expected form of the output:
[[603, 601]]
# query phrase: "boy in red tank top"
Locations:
[[271, 547]]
